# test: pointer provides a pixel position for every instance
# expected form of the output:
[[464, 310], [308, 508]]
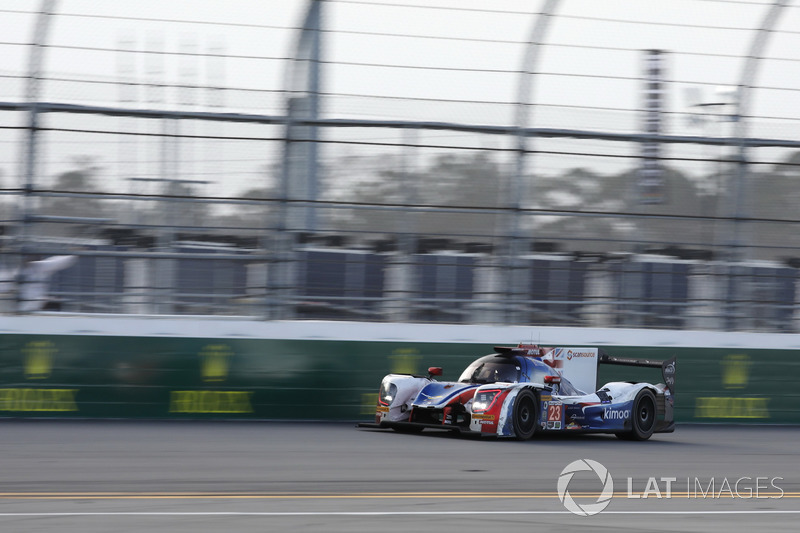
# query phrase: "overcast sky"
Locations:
[[446, 60]]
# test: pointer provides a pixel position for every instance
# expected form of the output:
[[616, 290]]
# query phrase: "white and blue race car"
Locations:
[[519, 391]]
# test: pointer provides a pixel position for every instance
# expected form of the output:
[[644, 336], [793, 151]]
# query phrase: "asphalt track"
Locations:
[[71, 476]]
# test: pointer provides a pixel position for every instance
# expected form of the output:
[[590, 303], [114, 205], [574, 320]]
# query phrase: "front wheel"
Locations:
[[643, 416], [526, 415]]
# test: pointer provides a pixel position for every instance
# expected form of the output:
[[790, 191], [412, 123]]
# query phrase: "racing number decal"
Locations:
[[555, 412]]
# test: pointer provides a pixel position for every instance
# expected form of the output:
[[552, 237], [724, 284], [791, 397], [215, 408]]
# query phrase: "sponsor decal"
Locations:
[[191, 401], [573, 425], [38, 359], [669, 376], [735, 371], [383, 409], [530, 349], [725, 407], [30, 400], [616, 414], [405, 361], [429, 397], [215, 362], [573, 353], [575, 414], [482, 417]]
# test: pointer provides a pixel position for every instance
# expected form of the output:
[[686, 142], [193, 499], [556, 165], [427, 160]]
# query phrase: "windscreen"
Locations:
[[491, 369]]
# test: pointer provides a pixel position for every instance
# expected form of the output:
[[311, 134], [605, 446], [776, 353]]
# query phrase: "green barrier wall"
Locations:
[[153, 377]]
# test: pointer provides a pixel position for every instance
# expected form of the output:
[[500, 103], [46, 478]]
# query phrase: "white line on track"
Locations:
[[391, 513]]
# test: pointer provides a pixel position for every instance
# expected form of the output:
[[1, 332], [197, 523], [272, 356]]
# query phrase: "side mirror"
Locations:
[[434, 371], [551, 380]]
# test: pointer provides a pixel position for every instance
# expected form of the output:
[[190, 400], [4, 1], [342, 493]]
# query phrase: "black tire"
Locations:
[[525, 416], [643, 416]]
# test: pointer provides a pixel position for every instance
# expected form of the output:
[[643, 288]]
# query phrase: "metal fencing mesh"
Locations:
[[202, 173]]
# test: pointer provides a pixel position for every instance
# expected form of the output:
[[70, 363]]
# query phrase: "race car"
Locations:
[[528, 389]]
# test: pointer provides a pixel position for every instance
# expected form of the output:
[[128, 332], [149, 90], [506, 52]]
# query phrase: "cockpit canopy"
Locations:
[[515, 369], [491, 369]]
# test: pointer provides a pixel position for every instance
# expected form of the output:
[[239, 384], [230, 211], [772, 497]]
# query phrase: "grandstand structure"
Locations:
[[568, 164]]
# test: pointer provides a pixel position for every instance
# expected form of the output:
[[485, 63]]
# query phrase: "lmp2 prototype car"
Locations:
[[519, 391]]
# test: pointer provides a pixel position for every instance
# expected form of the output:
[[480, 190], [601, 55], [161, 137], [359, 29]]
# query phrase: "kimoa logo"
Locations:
[[585, 465], [616, 414]]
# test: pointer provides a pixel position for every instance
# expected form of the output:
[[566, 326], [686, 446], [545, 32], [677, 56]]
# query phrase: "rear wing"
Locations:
[[667, 367]]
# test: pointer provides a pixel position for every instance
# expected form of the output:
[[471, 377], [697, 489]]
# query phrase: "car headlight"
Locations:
[[388, 393], [484, 400]]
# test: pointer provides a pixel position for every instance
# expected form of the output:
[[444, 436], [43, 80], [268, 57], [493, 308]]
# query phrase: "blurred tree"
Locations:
[[451, 180], [582, 190], [577, 189], [81, 182], [258, 215], [775, 195], [468, 180], [476, 179], [180, 212]]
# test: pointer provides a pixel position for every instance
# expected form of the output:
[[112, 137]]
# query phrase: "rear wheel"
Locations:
[[526, 415], [643, 417]]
